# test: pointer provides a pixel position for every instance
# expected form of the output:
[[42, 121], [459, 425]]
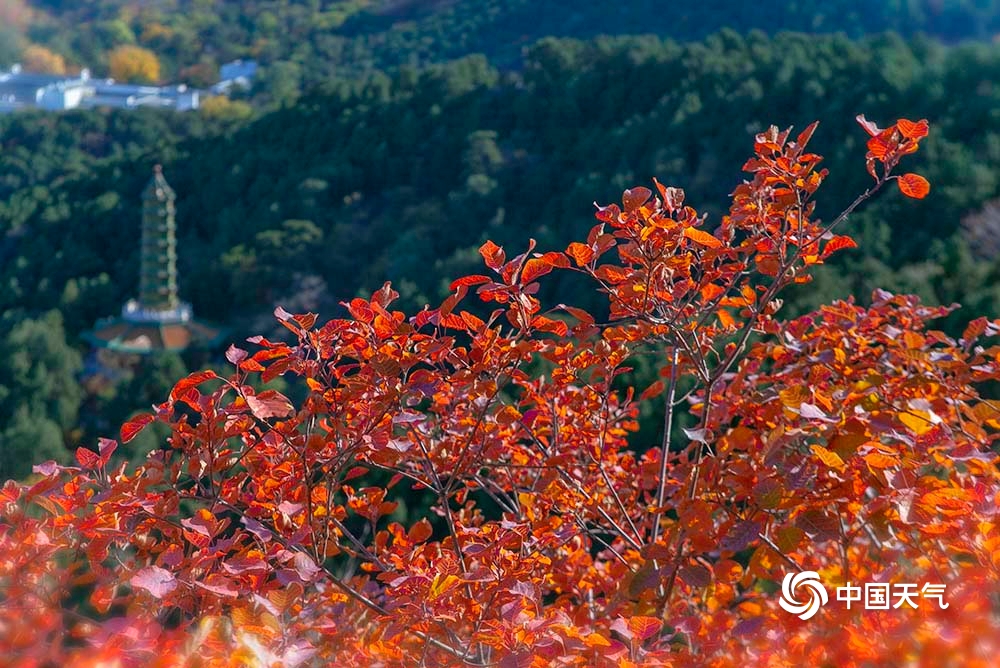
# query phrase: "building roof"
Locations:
[[145, 337]]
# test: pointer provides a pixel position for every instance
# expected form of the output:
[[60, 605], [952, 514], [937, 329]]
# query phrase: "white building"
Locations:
[[22, 90], [235, 74], [107, 93]]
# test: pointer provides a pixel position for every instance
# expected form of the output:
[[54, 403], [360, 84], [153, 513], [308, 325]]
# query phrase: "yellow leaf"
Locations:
[[596, 640], [792, 397], [919, 422], [440, 585], [828, 457]]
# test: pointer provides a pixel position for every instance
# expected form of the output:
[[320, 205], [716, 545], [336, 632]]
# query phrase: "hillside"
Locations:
[[303, 44]]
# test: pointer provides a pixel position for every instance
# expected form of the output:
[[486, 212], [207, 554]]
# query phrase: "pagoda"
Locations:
[[157, 320]]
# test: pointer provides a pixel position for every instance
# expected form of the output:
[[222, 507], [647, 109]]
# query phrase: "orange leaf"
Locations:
[[702, 238], [880, 460], [492, 254], [643, 627], [879, 146], [711, 291], [726, 318], [581, 253], [911, 130], [653, 390], [596, 640], [914, 185]]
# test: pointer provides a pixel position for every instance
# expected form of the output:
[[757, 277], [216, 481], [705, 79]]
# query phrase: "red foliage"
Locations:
[[852, 442]]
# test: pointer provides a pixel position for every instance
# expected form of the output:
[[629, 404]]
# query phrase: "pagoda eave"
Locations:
[[148, 337]]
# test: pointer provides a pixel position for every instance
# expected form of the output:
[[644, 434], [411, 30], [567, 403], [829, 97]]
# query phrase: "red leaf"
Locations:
[[475, 279], [87, 458], [361, 310], [879, 147], [653, 390], [420, 531], [556, 259], [643, 627], [974, 330], [493, 255], [185, 384], [131, 428], [305, 320], [869, 127], [585, 318], [473, 323], [806, 134], [636, 197], [157, 581], [913, 131], [837, 243], [818, 524], [269, 404], [557, 327], [535, 268], [914, 185], [702, 238], [106, 447]]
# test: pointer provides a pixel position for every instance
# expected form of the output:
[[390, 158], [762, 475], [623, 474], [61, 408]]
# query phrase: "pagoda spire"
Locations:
[[158, 272], [157, 319]]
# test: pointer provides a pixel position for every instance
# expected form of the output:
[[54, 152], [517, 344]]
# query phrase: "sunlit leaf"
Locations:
[[914, 185]]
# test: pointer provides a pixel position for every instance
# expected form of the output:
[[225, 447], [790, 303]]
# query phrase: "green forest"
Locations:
[[389, 140]]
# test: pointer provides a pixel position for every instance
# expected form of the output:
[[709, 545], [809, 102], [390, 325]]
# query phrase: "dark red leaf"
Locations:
[[87, 458], [636, 197]]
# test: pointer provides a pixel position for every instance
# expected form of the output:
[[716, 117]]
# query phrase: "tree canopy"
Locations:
[[460, 490]]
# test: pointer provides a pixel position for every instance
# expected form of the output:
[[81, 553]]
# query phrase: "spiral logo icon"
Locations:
[[817, 594]]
